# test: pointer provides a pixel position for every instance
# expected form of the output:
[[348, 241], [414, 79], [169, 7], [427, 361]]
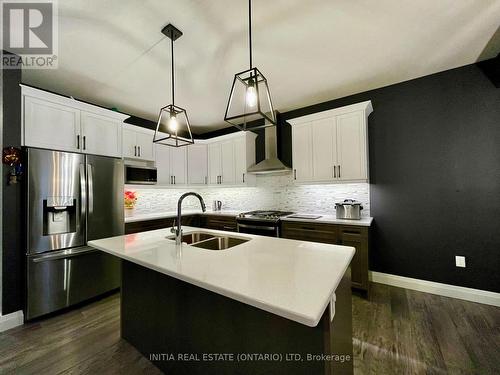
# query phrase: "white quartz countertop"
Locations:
[[289, 278], [132, 216], [331, 219]]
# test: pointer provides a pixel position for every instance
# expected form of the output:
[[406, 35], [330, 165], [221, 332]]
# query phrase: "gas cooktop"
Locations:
[[270, 215]]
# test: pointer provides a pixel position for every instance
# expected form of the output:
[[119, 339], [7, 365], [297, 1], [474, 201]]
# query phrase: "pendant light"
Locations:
[[173, 127], [249, 105]]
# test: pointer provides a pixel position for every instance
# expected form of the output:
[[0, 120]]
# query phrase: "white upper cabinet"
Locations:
[[352, 147], [197, 164], [51, 125], [227, 162], [229, 157], [214, 163], [178, 164], [101, 135], [57, 122], [162, 154], [332, 146], [324, 154], [129, 143], [302, 152], [171, 165], [138, 143], [244, 157], [145, 147]]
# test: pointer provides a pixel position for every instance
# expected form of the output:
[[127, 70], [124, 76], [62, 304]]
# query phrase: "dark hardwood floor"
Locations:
[[397, 331]]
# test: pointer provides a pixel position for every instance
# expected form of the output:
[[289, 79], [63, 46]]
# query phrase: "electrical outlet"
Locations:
[[460, 261]]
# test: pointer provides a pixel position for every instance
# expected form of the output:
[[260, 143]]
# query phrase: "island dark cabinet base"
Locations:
[[184, 329]]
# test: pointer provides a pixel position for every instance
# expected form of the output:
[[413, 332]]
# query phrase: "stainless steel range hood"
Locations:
[[271, 164]]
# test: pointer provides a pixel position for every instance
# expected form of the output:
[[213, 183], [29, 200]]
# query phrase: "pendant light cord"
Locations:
[[172, 51], [250, 29]]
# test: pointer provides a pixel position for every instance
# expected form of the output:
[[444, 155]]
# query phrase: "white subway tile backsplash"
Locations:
[[270, 192]]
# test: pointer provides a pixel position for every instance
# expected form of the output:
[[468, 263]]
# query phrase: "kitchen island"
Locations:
[[266, 305]]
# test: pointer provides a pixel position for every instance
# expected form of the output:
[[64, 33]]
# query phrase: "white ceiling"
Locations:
[[310, 51]]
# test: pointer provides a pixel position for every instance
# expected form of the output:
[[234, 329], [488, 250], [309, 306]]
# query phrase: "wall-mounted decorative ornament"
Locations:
[[11, 156]]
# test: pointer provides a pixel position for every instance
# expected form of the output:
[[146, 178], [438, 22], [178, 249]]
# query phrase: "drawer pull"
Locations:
[[351, 232]]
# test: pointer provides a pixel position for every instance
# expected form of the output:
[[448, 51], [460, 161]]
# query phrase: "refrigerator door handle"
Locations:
[[90, 182], [63, 254], [83, 191]]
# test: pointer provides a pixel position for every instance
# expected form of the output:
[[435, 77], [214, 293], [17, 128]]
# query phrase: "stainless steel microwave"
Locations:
[[140, 175]]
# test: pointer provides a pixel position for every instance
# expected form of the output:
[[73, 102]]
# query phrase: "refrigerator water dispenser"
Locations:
[[59, 215]]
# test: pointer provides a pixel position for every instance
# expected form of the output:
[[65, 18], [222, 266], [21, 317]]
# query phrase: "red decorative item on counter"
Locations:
[[130, 199]]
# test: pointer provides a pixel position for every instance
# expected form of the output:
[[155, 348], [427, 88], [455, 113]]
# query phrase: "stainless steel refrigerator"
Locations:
[[71, 199]]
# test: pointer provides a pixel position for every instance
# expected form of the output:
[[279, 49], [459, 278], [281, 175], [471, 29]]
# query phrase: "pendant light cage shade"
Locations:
[[250, 105], [173, 128]]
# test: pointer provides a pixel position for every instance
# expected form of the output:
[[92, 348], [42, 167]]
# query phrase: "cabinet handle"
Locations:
[[171, 181], [339, 170], [78, 142], [84, 142], [135, 150], [294, 174], [243, 178], [334, 171], [355, 233], [139, 148], [221, 179], [206, 180], [174, 180]]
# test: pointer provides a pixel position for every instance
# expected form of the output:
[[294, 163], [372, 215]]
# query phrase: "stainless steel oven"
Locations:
[[262, 223]]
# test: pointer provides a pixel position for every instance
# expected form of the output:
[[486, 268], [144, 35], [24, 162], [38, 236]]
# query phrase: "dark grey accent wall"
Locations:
[[435, 176], [12, 199]]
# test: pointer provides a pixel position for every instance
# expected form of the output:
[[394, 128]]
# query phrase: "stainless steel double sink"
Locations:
[[210, 241]]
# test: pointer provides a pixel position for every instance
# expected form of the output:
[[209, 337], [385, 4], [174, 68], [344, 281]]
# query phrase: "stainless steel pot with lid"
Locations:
[[348, 209]]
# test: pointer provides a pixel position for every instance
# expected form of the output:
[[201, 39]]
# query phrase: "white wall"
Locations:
[[270, 192]]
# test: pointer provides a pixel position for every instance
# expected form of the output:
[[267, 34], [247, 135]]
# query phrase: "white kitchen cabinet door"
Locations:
[[227, 162], [145, 149], [302, 152], [324, 153], [240, 160], [352, 146], [162, 154], [50, 125], [214, 163], [129, 143], [178, 160], [101, 135], [197, 164]]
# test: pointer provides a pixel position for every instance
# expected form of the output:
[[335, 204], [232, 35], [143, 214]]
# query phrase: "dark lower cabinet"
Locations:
[[348, 235], [143, 226], [220, 222]]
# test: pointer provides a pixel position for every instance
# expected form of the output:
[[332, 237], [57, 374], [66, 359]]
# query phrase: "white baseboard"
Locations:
[[11, 320], [460, 292]]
